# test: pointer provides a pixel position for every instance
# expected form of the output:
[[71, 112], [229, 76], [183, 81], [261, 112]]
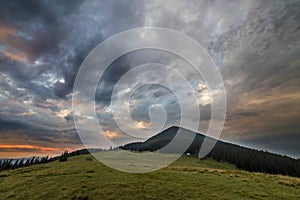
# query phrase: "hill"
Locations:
[[242, 157], [83, 177]]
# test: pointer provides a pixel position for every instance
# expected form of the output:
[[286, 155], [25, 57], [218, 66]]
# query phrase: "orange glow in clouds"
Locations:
[[6, 31], [110, 134], [25, 146], [140, 124], [14, 56], [16, 49], [24, 150]]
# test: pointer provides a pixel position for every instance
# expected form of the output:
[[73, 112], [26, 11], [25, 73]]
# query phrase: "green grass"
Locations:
[[188, 178]]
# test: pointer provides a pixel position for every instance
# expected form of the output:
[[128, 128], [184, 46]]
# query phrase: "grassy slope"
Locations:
[[187, 178]]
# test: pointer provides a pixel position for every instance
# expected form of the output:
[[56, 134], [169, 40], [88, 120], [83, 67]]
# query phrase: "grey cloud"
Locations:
[[254, 43]]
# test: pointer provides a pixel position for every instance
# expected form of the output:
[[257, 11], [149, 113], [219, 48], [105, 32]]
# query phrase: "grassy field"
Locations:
[[83, 177]]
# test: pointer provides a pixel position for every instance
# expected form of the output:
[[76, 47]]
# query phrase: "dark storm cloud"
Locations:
[[123, 64], [62, 34], [19, 128], [42, 46], [280, 143], [140, 110], [6, 124], [43, 16], [42, 21], [254, 43], [256, 46], [69, 118], [260, 62], [101, 21]]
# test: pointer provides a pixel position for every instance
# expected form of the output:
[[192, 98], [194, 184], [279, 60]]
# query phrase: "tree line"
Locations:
[[10, 164]]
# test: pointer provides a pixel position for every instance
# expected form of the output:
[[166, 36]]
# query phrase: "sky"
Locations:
[[255, 45]]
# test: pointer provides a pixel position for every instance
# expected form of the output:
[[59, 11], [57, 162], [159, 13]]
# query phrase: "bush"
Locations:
[[89, 159], [64, 157]]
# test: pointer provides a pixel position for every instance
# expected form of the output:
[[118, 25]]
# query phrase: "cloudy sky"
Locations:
[[255, 45]]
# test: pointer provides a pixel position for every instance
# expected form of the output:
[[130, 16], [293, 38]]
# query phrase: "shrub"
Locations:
[[64, 157], [89, 159]]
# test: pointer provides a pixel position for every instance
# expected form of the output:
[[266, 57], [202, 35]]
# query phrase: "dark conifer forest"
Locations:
[[243, 158]]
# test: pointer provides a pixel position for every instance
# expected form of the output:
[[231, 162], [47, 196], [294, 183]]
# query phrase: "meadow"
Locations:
[[83, 177]]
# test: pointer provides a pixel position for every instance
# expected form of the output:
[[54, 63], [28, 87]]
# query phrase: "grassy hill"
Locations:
[[242, 157], [83, 177]]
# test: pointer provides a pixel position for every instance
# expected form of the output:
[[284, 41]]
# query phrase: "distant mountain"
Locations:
[[242, 157]]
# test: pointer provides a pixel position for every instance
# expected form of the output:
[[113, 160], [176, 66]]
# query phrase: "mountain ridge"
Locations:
[[242, 157]]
